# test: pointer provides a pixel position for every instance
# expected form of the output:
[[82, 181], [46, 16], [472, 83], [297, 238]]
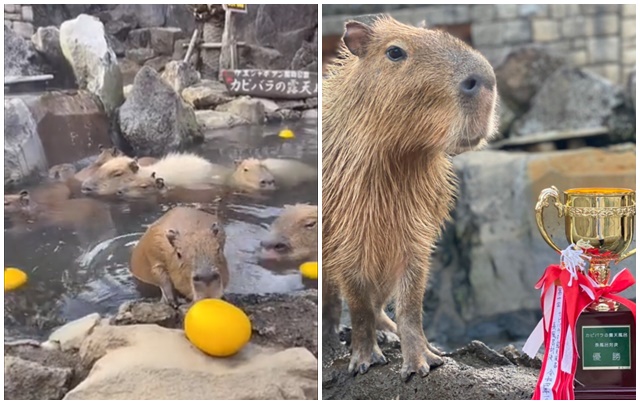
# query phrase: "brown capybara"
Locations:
[[153, 188], [396, 106], [105, 155], [62, 172], [176, 169], [293, 236], [42, 195], [183, 251], [250, 174]]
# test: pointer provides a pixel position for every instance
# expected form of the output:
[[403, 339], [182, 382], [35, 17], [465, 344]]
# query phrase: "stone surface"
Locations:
[[631, 88], [566, 101], [20, 56], [162, 39], [602, 50], [306, 58], [158, 63], [147, 312], [154, 119], [206, 94], [24, 29], [71, 335], [249, 110], [523, 72], [211, 120], [46, 41], [180, 75], [491, 254], [139, 38], [94, 63], [473, 373], [545, 30], [26, 380], [140, 55], [128, 69], [143, 15], [167, 366]]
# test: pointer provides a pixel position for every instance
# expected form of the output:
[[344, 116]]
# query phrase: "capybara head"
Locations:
[[141, 187], [293, 236], [200, 254], [16, 203], [106, 154], [424, 89], [252, 174], [62, 172], [111, 176]]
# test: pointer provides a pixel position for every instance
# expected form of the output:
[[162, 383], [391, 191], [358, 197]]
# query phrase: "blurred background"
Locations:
[[566, 80]]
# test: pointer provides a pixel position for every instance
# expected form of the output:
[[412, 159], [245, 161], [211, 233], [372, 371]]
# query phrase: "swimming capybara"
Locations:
[[153, 188], [397, 104], [183, 251], [293, 236]]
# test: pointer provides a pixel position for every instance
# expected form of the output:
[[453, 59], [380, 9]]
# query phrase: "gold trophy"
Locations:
[[602, 217]]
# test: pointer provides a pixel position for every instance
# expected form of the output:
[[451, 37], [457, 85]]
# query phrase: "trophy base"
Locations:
[[607, 349], [603, 305]]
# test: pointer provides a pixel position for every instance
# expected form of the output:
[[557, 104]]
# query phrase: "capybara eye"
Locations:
[[143, 186], [396, 54], [196, 278], [246, 170], [310, 225], [179, 255], [117, 173]]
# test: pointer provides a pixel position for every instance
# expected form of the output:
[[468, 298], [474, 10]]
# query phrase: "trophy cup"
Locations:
[[603, 220]]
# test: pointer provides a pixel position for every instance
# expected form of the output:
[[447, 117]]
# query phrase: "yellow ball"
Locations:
[[216, 327], [309, 270], [286, 134], [14, 278]]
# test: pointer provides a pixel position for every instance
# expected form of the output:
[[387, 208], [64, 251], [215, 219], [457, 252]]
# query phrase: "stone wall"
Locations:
[[19, 17], [601, 38]]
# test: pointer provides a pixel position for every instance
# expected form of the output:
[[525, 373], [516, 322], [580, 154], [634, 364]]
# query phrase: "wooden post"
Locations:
[[192, 44], [228, 38]]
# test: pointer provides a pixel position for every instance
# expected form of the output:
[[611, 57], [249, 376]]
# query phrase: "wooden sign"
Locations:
[[235, 8], [285, 84]]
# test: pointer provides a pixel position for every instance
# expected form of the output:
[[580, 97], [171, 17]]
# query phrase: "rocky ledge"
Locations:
[[142, 353], [473, 372]]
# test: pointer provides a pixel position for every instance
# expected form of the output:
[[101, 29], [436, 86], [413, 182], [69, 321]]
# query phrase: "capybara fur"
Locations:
[[62, 172], [153, 188], [293, 236], [397, 104], [183, 251], [176, 169], [105, 155], [270, 174]]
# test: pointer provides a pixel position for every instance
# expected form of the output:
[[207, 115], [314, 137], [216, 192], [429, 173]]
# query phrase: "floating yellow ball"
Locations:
[[309, 270], [286, 134], [216, 327], [14, 278]]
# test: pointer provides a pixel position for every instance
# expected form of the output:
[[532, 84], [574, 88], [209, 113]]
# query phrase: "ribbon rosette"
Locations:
[[566, 292]]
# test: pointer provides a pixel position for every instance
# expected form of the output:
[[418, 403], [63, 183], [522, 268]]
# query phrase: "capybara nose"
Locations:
[[472, 85], [277, 245], [208, 277], [86, 189]]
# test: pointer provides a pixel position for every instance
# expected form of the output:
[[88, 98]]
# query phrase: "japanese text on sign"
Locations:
[[606, 347], [272, 83], [236, 8]]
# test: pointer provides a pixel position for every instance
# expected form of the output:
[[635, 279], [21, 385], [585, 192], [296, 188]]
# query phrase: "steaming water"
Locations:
[[75, 273]]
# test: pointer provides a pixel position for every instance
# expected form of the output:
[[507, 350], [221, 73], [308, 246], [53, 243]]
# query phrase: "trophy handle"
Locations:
[[626, 255], [543, 202]]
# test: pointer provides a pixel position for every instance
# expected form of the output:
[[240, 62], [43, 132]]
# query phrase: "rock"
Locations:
[[20, 56], [249, 110], [71, 335], [566, 101], [523, 72], [631, 88], [140, 55], [473, 373], [163, 39], [179, 15], [144, 15], [520, 359], [24, 29], [119, 28], [491, 254], [306, 58], [126, 90], [26, 380], [284, 114], [180, 75], [258, 57], [139, 38], [46, 40], [206, 94], [310, 103], [158, 63], [128, 69], [212, 32], [310, 114], [211, 120], [167, 366], [95, 65], [507, 116], [143, 312], [270, 106], [154, 119]]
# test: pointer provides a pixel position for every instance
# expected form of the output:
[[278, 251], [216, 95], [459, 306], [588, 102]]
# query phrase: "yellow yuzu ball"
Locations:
[[309, 270], [286, 134], [216, 327], [14, 278]]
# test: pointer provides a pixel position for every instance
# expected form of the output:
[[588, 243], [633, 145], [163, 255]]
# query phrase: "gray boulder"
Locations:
[[523, 72], [20, 56], [154, 119], [142, 15], [249, 110], [572, 98], [162, 39], [140, 55], [94, 63], [147, 312], [27, 380], [46, 41], [180, 75], [306, 58], [631, 88], [206, 94]]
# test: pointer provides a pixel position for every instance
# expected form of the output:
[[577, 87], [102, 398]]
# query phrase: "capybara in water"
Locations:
[[396, 106], [183, 251], [154, 188], [270, 174], [176, 169], [250, 174], [62, 172], [293, 236]]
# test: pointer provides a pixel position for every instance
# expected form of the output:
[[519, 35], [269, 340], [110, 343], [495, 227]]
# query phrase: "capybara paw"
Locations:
[[387, 337], [360, 363], [435, 350], [419, 362]]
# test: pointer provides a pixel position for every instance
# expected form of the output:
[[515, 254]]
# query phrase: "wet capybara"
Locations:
[[62, 172], [183, 251], [176, 169], [105, 155], [293, 236], [270, 174], [153, 188], [397, 104]]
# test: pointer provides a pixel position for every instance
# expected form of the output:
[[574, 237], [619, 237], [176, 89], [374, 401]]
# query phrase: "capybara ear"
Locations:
[[422, 24], [100, 147], [172, 236], [310, 223], [134, 166], [357, 36], [153, 174], [237, 162], [24, 197], [159, 183], [215, 229], [114, 151]]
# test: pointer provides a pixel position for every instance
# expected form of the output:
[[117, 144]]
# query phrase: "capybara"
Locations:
[[183, 251], [293, 236], [250, 174], [105, 155], [153, 188], [62, 172], [397, 104], [179, 169], [42, 195], [270, 174]]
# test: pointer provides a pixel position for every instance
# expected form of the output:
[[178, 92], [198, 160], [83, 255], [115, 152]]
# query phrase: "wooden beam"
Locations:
[[8, 80], [191, 45], [212, 45], [551, 136]]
